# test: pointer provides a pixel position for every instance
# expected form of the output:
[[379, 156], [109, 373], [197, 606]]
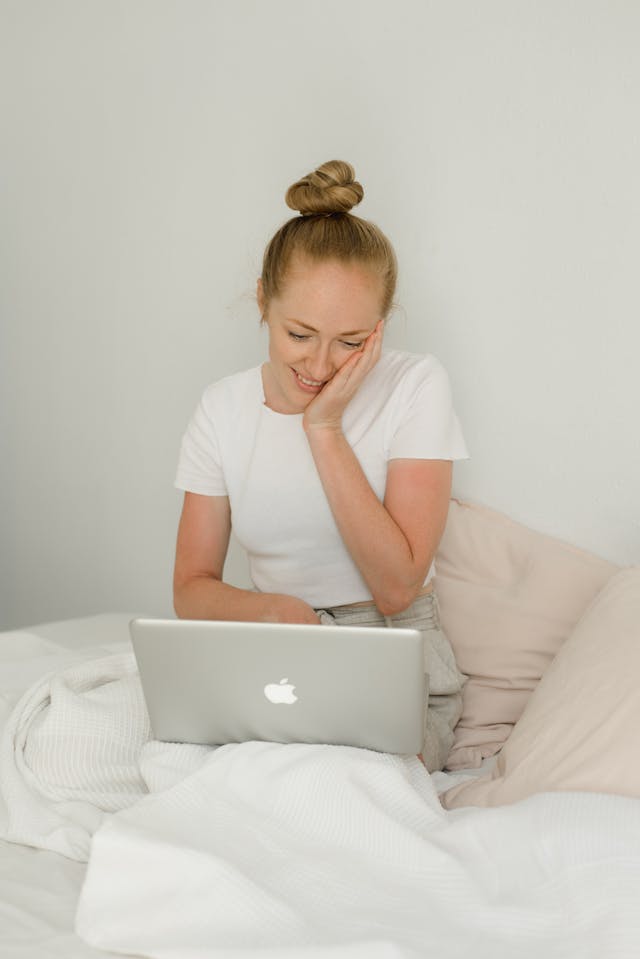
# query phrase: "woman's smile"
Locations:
[[307, 385]]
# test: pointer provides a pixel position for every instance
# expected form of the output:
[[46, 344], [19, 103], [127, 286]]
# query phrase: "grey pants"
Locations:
[[444, 678]]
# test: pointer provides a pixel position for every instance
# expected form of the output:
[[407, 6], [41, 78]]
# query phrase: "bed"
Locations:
[[528, 845]]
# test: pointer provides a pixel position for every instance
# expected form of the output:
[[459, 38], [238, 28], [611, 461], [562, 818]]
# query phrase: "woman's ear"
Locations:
[[260, 296]]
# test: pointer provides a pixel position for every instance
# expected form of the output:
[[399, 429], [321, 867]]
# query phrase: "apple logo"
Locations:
[[282, 692]]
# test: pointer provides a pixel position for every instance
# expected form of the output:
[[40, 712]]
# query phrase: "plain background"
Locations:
[[146, 147]]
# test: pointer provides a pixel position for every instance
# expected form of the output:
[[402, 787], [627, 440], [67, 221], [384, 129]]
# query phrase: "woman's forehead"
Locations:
[[331, 285]]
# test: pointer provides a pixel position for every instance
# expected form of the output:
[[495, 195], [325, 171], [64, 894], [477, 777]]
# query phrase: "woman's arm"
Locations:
[[198, 590], [392, 543]]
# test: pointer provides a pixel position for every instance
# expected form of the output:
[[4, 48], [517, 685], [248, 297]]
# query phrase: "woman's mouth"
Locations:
[[307, 385]]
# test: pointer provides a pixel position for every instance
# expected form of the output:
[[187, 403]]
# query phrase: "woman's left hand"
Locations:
[[325, 410]]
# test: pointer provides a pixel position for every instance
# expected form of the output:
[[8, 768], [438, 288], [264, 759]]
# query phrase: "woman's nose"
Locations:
[[320, 365]]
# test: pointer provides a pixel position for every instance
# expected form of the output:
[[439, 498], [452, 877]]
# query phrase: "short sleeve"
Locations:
[[424, 424], [199, 463]]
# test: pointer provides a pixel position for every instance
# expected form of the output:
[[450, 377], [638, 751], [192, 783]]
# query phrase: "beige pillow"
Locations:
[[509, 597], [579, 730]]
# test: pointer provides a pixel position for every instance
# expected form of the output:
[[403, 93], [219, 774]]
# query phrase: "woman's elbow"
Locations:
[[182, 601], [392, 604], [178, 604], [195, 596]]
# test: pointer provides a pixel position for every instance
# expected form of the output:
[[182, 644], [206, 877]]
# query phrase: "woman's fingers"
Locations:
[[332, 400], [371, 350]]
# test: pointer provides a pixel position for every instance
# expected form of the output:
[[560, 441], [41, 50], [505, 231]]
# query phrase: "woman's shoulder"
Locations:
[[234, 390], [395, 383], [401, 366]]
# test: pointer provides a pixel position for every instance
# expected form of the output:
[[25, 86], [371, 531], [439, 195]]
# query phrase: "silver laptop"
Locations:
[[221, 682]]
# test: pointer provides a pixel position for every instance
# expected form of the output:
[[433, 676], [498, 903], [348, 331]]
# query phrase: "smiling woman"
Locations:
[[334, 458]]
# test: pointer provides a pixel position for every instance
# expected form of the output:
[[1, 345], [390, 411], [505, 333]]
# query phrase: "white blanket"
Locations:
[[282, 848], [263, 851], [69, 754]]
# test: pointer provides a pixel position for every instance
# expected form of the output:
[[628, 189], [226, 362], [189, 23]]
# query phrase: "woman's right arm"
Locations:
[[198, 590]]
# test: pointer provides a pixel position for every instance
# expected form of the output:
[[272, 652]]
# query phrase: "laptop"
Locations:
[[216, 682]]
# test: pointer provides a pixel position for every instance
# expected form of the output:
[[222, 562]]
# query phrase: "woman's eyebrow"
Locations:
[[313, 329]]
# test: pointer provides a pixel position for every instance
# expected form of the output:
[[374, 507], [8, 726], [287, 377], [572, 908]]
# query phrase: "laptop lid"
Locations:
[[218, 682]]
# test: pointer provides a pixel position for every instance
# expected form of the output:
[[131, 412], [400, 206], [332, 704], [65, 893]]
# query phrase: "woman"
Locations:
[[333, 459]]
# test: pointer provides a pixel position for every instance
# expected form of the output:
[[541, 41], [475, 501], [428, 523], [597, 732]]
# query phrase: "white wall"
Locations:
[[145, 150]]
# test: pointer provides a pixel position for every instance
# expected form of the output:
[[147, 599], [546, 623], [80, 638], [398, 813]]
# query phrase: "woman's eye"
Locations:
[[303, 336]]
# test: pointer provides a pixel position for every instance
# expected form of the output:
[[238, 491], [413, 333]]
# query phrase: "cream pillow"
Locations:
[[580, 727], [509, 597]]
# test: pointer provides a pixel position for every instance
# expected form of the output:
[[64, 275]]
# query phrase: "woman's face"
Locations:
[[325, 312]]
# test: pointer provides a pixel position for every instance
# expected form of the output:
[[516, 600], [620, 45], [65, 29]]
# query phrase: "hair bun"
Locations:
[[332, 188]]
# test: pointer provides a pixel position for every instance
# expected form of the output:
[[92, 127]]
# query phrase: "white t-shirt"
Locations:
[[236, 446]]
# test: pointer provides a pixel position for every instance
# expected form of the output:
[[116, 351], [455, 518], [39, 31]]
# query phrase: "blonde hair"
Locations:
[[326, 230]]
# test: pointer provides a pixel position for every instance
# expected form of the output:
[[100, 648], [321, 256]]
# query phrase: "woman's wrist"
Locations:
[[325, 437], [329, 428]]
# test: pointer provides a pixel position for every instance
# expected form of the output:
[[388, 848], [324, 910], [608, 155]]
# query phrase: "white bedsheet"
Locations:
[[262, 850]]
